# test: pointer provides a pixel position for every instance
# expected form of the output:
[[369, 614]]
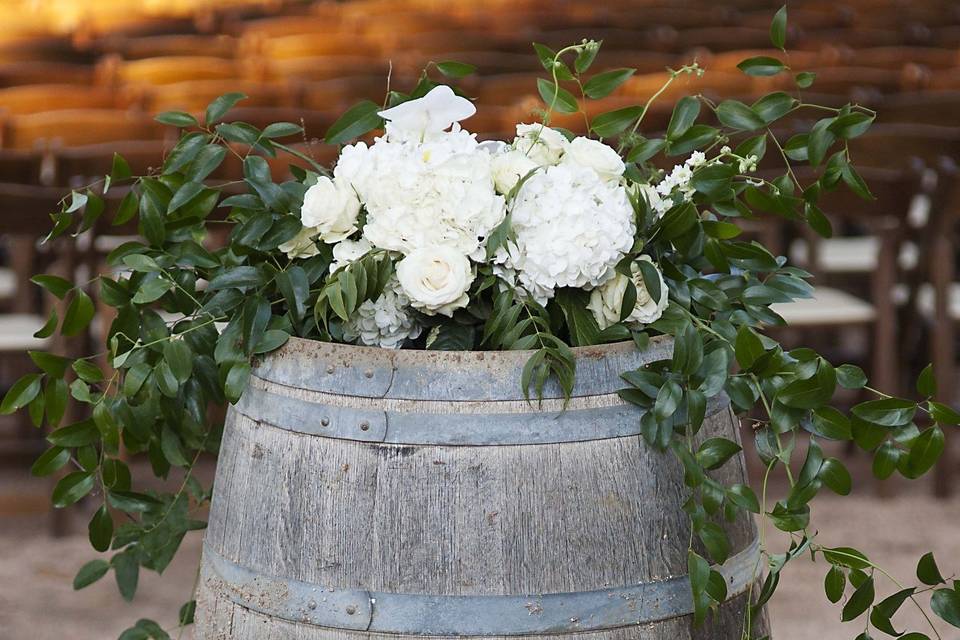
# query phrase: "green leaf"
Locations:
[[184, 195], [71, 488], [928, 572], [943, 414], [716, 542], [851, 125], [556, 97], [79, 314], [152, 290], [851, 377], [49, 326], [737, 115], [773, 106], [805, 79], [861, 599], [885, 460], [176, 119], [835, 475], [761, 66], [583, 326], [90, 573], [812, 392], [778, 28], [21, 393], [78, 434], [646, 149], [100, 529], [453, 69], [924, 452], [834, 584], [668, 399], [696, 137], [927, 382], [888, 412], [219, 107], [53, 459], [603, 84], [819, 141], [358, 120], [684, 115], [748, 347], [282, 130], [186, 614], [946, 604], [179, 357], [236, 381], [714, 452], [172, 448], [87, 371], [126, 568], [713, 180], [614, 122], [55, 285], [846, 557], [744, 497]]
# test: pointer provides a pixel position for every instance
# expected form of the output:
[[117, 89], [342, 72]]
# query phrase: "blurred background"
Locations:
[[80, 80]]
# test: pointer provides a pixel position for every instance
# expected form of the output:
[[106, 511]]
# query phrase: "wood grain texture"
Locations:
[[452, 520]]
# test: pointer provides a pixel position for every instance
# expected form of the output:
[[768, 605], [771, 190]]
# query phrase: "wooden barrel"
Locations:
[[370, 494]]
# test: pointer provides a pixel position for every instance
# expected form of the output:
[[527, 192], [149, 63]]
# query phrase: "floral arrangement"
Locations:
[[424, 237]]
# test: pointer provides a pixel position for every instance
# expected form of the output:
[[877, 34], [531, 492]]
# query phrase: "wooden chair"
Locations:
[[33, 72], [193, 96], [138, 48], [33, 98], [165, 70], [75, 127]]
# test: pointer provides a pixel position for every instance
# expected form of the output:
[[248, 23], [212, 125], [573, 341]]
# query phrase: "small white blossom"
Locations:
[[696, 159], [332, 207], [540, 143], [302, 245], [426, 117], [606, 301], [349, 251], [386, 322]]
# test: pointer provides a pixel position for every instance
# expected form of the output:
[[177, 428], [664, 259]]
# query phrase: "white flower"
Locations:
[[427, 116], [570, 227], [595, 155], [302, 245], [606, 301], [508, 168], [349, 251], [419, 194], [543, 145], [656, 202], [696, 159], [332, 207], [435, 279], [677, 180], [385, 322]]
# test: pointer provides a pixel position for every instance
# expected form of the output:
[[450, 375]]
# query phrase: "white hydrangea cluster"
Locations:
[[571, 227], [386, 322], [424, 193]]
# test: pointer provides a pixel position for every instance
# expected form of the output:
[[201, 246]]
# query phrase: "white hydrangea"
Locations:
[[436, 192], [386, 322], [571, 229]]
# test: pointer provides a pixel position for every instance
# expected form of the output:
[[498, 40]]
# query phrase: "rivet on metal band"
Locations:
[[472, 615]]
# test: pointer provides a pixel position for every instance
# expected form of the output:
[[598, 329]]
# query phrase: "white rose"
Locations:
[[435, 279], [543, 145], [349, 251], [332, 207], [606, 301], [508, 168], [595, 155], [302, 245]]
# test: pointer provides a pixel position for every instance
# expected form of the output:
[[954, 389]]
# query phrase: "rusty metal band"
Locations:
[[447, 423], [471, 615]]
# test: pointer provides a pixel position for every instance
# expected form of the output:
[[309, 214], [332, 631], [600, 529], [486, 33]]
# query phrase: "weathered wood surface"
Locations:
[[517, 519]]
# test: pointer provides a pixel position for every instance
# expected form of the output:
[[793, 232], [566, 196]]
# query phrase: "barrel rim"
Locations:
[[414, 357]]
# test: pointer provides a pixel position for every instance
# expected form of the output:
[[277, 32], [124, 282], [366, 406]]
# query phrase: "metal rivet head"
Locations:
[[311, 605], [364, 426], [325, 422], [330, 368], [368, 373], [351, 610]]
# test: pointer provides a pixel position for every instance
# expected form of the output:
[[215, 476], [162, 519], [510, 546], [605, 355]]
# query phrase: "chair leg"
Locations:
[[943, 353]]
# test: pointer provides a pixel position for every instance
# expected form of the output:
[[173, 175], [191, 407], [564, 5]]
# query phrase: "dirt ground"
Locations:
[[38, 603]]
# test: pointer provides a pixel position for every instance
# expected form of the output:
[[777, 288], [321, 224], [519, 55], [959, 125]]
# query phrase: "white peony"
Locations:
[[385, 322], [426, 117], [606, 301], [349, 251], [509, 167], [570, 230], [302, 245], [332, 207], [543, 145], [435, 279], [418, 194], [595, 155]]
